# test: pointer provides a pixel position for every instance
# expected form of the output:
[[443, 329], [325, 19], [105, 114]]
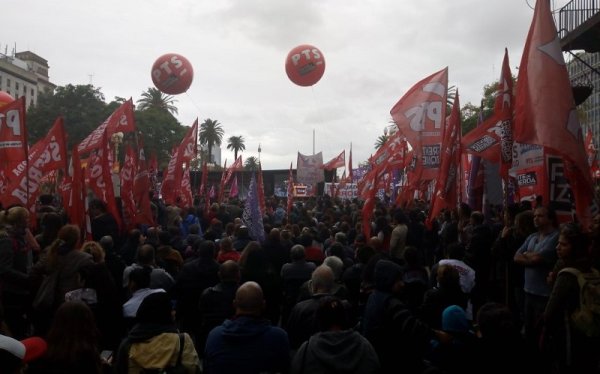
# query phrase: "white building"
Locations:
[[24, 74], [215, 156]]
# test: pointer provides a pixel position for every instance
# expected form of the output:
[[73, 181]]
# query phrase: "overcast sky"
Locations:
[[374, 51]]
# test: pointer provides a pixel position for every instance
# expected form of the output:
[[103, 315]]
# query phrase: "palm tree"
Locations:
[[381, 141], [154, 98], [251, 163], [236, 144], [211, 133]]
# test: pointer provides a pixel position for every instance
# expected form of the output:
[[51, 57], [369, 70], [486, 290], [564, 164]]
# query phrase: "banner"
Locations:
[[344, 191], [309, 171]]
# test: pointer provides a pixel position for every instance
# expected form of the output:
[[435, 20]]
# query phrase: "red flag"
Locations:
[[336, 162], [290, 191], [261, 190], [127, 177], [492, 139], [233, 190], [24, 178], [141, 188], [591, 154], [226, 177], [420, 114], [445, 195], [121, 120], [222, 182], [188, 147], [72, 189], [13, 133], [391, 155], [544, 108], [203, 183], [350, 174], [100, 179], [171, 183], [185, 195]]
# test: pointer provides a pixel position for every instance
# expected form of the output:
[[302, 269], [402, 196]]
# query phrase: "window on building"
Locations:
[[8, 83], [32, 92], [17, 86]]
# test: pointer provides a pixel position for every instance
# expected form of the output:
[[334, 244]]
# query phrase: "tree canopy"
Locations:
[[236, 144], [82, 108], [211, 133], [154, 98]]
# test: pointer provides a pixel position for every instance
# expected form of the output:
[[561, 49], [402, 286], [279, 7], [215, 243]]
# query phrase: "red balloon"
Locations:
[[5, 99], [172, 74], [305, 65]]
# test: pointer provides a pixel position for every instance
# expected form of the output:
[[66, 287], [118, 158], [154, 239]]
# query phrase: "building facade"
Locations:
[[582, 76], [24, 74]]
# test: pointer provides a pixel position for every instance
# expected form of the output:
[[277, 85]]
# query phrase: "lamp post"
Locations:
[[259, 150]]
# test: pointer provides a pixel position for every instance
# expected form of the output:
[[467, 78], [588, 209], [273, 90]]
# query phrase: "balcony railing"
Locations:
[[574, 14]]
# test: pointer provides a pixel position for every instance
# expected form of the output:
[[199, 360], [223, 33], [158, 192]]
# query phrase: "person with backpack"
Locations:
[[154, 345], [571, 342]]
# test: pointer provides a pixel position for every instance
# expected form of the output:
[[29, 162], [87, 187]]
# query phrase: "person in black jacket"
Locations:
[[216, 303], [400, 339]]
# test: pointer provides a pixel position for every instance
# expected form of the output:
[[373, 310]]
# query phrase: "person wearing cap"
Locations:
[[15, 355]]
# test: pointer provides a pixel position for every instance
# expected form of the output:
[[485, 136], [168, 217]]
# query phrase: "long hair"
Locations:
[[73, 336], [68, 237]]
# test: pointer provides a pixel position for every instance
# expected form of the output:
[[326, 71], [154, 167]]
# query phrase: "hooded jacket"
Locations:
[[153, 346], [246, 344], [336, 352]]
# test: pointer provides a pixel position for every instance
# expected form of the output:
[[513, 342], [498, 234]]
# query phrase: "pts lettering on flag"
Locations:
[[10, 127]]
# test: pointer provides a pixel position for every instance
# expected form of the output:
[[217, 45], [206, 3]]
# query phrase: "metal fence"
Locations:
[[574, 14]]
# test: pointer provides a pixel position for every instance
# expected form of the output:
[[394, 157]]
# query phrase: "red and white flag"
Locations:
[[336, 162], [127, 177], [446, 191], [13, 134], [24, 178], [545, 109], [421, 114], [121, 120]]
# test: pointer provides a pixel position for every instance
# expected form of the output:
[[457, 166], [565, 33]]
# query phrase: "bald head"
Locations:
[[322, 280], [249, 299], [229, 271]]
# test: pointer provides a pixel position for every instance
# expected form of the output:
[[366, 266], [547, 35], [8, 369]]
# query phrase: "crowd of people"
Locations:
[[466, 293]]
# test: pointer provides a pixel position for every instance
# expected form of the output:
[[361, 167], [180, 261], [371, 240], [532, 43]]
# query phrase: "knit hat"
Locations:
[[454, 319], [26, 350]]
